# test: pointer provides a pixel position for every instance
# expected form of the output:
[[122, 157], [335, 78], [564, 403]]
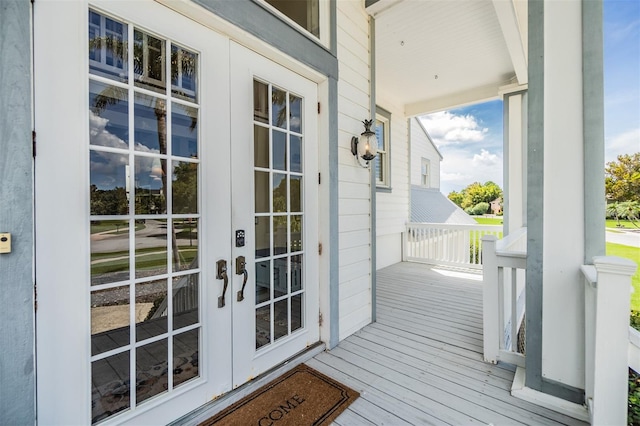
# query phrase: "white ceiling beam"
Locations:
[[456, 100], [511, 30]]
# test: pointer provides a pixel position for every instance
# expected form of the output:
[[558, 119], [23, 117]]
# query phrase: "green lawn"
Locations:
[[488, 220], [632, 253], [627, 224]]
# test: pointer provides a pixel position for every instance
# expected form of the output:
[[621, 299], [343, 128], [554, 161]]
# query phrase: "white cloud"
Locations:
[[623, 143], [460, 168], [446, 128], [486, 159]]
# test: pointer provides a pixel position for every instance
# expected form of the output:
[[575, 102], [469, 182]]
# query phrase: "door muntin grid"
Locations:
[[144, 215], [279, 216]]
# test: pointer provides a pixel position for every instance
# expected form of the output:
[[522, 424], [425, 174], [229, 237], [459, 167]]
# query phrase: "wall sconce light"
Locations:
[[365, 147]]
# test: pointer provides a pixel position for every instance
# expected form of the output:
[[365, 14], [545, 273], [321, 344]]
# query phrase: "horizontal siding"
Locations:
[[354, 189], [421, 147]]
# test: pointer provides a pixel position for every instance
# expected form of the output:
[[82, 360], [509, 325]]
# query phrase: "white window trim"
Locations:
[[324, 10], [385, 159]]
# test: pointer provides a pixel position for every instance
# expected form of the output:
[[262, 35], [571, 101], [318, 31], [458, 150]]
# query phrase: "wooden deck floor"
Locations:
[[421, 362]]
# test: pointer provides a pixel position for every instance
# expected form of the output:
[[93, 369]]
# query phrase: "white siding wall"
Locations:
[[353, 180], [392, 208], [421, 147]]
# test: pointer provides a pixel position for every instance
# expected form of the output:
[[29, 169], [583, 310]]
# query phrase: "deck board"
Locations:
[[421, 362]]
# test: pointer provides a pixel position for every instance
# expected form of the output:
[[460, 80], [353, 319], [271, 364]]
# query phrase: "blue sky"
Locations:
[[470, 138]]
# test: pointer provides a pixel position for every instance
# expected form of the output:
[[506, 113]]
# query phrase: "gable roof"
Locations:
[[432, 206], [429, 137]]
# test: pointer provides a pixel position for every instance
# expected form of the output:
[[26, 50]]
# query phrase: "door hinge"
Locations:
[[320, 319], [35, 298], [319, 179], [320, 248], [33, 143], [318, 107]]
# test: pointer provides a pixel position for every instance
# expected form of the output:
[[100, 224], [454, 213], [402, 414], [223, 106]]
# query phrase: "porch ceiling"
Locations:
[[474, 47]]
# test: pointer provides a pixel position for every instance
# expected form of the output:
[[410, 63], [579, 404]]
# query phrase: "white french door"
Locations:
[[175, 213]]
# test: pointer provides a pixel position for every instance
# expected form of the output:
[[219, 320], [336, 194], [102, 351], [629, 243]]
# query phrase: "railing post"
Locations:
[[490, 299], [405, 243], [611, 340]]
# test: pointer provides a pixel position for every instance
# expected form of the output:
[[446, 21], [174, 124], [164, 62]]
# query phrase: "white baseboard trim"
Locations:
[[520, 391]]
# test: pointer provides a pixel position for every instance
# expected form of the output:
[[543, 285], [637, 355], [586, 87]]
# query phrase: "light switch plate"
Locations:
[[5, 242]]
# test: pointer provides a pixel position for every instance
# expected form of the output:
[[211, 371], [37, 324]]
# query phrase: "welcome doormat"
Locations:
[[300, 397]]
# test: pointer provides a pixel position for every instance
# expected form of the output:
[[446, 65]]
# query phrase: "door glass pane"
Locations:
[[185, 301], [184, 73], [185, 187], [151, 370], [107, 47], [109, 251], [151, 247], [144, 171], [185, 356], [108, 115], [109, 319], [149, 61], [110, 386], [184, 131], [279, 202], [151, 309]]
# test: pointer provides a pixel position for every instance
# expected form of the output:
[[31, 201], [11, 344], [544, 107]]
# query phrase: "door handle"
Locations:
[[222, 275], [241, 269]]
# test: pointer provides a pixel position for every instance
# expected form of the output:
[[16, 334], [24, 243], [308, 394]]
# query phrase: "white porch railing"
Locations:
[[446, 244], [504, 268], [611, 346]]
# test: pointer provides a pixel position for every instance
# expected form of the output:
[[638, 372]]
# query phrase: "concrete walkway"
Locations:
[[624, 237]]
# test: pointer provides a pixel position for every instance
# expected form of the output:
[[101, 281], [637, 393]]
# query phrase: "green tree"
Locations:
[[456, 197], [476, 193], [622, 178]]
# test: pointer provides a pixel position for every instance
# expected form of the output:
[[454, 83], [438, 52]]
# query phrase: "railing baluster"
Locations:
[[501, 306], [514, 311]]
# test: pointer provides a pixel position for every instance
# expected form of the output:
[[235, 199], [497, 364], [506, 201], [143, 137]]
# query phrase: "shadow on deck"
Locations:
[[421, 362]]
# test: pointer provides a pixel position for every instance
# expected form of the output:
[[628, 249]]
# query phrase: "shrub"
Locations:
[[633, 412], [480, 208]]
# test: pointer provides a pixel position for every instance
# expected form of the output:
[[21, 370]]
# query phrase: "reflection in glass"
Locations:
[[263, 284], [279, 150], [305, 13], [109, 319], [150, 121], [280, 277], [296, 312], [295, 115], [107, 47], [261, 192], [109, 251], [281, 319], [151, 309], [109, 176], [149, 61], [260, 102], [260, 147], [295, 189], [184, 73], [151, 370], [296, 233], [278, 108], [263, 326], [108, 115], [295, 143], [150, 185], [186, 356], [280, 235], [110, 391], [151, 248], [186, 244], [296, 273], [184, 131], [263, 236], [185, 300], [279, 192], [185, 187]]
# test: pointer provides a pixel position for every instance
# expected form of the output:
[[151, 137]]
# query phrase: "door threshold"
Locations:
[[213, 407]]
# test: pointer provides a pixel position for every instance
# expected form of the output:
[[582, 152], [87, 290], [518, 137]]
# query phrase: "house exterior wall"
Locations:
[[17, 340], [392, 205], [422, 147], [354, 185]]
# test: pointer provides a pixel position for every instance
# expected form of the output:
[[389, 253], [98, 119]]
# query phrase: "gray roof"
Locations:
[[430, 205]]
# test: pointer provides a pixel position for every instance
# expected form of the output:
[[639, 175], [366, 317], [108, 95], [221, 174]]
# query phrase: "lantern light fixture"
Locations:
[[366, 146]]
